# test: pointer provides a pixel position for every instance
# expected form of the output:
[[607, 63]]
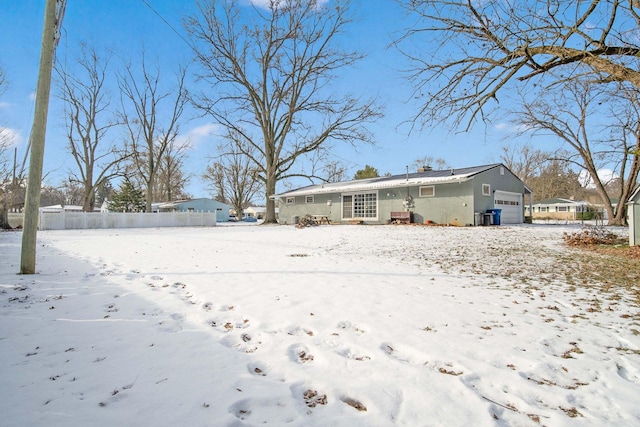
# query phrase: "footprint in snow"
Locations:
[[405, 353], [354, 354], [275, 411], [300, 353], [244, 342], [259, 368], [346, 325], [172, 324], [628, 373]]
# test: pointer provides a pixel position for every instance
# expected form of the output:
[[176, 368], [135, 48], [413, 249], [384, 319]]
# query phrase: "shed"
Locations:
[[195, 205], [633, 211], [450, 196]]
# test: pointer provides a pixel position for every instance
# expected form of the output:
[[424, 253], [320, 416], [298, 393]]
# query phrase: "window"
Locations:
[[561, 209], [486, 190], [429, 191], [191, 210], [362, 205], [291, 200], [507, 202], [308, 199]]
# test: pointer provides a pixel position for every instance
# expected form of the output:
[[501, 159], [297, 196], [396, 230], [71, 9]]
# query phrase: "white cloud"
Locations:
[[604, 174], [9, 137], [199, 134]]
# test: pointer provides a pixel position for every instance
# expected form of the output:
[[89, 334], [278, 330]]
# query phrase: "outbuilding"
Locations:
[[633, 211], [464, 196], [202, 204]]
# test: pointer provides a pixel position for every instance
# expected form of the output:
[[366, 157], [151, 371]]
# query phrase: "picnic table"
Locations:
[[321, 219]]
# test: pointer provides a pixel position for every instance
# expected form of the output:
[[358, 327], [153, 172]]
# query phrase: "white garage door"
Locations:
[[511, 205]]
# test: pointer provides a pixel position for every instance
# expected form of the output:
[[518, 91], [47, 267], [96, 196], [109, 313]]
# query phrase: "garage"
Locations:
[[511, 205]]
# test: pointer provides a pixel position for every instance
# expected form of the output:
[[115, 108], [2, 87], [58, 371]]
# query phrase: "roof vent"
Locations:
[[425, 168], [453, 171]]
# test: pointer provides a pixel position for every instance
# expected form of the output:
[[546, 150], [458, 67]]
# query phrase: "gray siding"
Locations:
[[452, 203], [507, 182], [634, 220]]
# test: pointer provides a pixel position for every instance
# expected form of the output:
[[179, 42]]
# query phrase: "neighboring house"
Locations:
[[61, 208], [451, 196], [559, 208], [634, 217], [258, 212], [195, 205]]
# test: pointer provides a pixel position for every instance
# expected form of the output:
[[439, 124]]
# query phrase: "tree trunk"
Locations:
[[270, 187], [149, 196], [88, 198], [4, 218]]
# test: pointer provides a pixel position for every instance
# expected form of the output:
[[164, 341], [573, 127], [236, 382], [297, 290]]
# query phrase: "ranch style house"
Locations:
[[461, 197]]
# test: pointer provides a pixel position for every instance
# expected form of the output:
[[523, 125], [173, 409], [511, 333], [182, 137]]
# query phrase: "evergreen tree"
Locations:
[[367, 172], [128, 199]]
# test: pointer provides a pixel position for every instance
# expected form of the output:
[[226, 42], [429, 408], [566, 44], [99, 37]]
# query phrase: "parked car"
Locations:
[[233, 218], [249, 219]]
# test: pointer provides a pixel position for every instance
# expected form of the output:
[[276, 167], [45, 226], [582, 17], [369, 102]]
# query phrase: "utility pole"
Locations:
[[52, 22]]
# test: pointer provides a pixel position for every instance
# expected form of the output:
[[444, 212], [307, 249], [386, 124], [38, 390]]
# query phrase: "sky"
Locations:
[[274, 325], [126, 27]]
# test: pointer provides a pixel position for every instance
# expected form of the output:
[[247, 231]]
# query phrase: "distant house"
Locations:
[[258, 212], [634, 217], [61, 208], [451, 196], [195, 205], [559, 208]]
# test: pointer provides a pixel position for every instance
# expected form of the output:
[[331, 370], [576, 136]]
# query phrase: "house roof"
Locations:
[[165, 205], [560, 201], [634, 195], [60, 208], [394, 181]]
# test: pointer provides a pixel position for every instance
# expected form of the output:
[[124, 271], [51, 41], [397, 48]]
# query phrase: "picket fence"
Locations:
[[93, 220]]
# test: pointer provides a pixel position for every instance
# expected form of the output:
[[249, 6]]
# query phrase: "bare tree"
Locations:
[[51, 196], [143, 111], [89, 122], [568, 113], [429, 161], [555, 178], [233, 177], [171, 180], [73, 192], [472, 52], [334, 171], [524, 161], [270, 69], [12, 182]]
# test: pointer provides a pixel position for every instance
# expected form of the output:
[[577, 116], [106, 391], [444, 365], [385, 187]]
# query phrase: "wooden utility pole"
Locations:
[[37, 138]]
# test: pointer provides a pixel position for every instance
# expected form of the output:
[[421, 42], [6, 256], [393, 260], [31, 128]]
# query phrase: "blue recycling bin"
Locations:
[[496, 215]]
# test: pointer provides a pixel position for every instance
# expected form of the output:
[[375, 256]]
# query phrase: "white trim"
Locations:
[[488, 188], [354, 217], [373, 184]]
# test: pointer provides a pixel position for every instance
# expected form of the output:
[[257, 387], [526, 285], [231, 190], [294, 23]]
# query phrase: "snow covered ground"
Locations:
[[323, 326]]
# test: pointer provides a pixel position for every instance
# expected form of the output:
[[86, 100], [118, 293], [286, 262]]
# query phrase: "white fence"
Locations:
[[88, 220]]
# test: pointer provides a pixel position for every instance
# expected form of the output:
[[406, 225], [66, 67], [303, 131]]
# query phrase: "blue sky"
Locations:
[[126, 27]]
